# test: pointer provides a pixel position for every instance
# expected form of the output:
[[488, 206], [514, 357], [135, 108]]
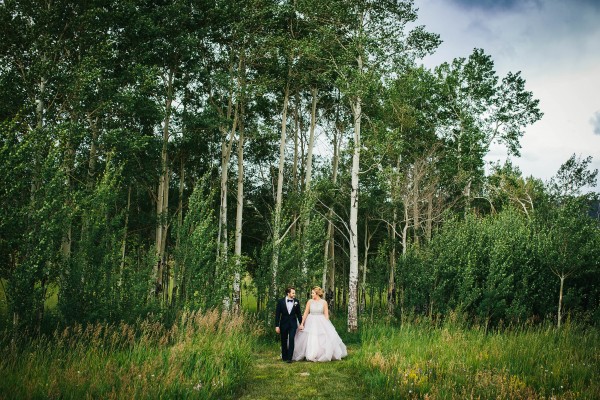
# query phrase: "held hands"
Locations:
[[301, 327], [277, 329]]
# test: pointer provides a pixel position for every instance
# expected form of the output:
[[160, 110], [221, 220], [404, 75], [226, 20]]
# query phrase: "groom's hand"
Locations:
[[277, 329]]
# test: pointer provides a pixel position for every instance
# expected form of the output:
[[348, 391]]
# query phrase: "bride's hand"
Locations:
[[301, 327]]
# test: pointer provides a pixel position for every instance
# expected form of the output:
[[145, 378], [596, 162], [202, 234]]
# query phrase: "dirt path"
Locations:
[[271, 378]]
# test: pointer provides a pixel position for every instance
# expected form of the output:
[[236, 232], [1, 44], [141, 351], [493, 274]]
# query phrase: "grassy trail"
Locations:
[[271, 378]]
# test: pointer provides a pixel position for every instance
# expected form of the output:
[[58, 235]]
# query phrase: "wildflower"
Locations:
[[198, 386]]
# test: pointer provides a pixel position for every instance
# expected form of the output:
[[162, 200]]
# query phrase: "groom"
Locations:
[[287, 315]]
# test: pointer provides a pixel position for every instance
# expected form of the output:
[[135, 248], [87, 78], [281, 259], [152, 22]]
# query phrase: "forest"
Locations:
[[167, 156]]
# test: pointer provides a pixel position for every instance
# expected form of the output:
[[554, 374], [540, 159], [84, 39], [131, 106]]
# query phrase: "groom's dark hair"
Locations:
[[289, 289]]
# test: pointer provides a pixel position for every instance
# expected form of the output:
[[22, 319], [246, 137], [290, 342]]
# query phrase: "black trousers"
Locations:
[[287, 342]]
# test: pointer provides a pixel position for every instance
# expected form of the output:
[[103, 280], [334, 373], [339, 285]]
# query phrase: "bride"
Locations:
[[316, 338]]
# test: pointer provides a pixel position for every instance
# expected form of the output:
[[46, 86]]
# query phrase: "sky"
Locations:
[[556, 46]]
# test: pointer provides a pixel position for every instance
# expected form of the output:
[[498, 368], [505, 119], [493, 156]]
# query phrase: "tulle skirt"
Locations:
[[319, 341]]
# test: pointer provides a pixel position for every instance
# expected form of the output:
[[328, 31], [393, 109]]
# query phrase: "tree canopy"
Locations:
[[160, 156]]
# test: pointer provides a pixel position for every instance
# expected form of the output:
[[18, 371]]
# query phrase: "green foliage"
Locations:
[[573, 176], [90, 288], [93, 92], [500, 268], [303, 249], [201, 278], [36, 211], [484, 267]]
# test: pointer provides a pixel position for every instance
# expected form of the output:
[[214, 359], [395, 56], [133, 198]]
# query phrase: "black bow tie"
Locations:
[[290, 301]]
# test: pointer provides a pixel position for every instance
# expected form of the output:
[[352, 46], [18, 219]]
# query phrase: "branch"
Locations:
[[374, 165], [396, 233], [287, 230], [339, 219], [489, 201]]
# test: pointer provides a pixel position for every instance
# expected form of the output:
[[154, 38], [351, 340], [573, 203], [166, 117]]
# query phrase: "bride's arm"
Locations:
[[306, 310], [326, 310]]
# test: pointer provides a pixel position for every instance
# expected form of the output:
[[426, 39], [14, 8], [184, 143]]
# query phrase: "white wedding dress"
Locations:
[[319, 340]]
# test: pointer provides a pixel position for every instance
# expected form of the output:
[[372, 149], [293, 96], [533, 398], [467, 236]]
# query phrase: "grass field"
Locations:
[[226, 357], [206, 355], [202, 356], [416, 360]]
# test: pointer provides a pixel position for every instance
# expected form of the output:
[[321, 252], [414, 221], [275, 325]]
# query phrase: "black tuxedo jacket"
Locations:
[[285, 320]]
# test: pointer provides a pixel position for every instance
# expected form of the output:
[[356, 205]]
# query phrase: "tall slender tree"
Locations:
[[374, 38]]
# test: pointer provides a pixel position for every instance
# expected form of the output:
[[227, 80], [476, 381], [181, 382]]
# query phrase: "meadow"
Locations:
[[213, 356], [453, 361], [202, 356]]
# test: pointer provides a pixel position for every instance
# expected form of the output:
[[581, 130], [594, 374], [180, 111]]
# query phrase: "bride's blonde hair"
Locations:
[[318, 291]]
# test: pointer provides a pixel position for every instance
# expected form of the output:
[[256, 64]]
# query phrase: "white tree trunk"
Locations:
[[392, 279], [226, 146], [178, 264], [329, 259], [93, 122], [326, 259], [395, 187], [560, 297], [307, 181], [124, 242], [363, 283], [295, 187], [66, 242], [279, 197], [405, 228], [353, 276], [416, 216], [239, 215], [163, 193], [429, 222], [311, 140], [40, 109]]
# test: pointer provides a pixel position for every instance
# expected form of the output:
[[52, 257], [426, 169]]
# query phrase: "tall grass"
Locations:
[[417, 360], [203, 355]]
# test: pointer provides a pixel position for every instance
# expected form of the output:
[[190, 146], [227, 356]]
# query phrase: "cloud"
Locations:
[[554, 43], [595, 121], [516, 5], [494, 5]]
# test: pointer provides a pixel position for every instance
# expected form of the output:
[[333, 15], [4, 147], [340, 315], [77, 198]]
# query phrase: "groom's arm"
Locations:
[[298, 312]]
